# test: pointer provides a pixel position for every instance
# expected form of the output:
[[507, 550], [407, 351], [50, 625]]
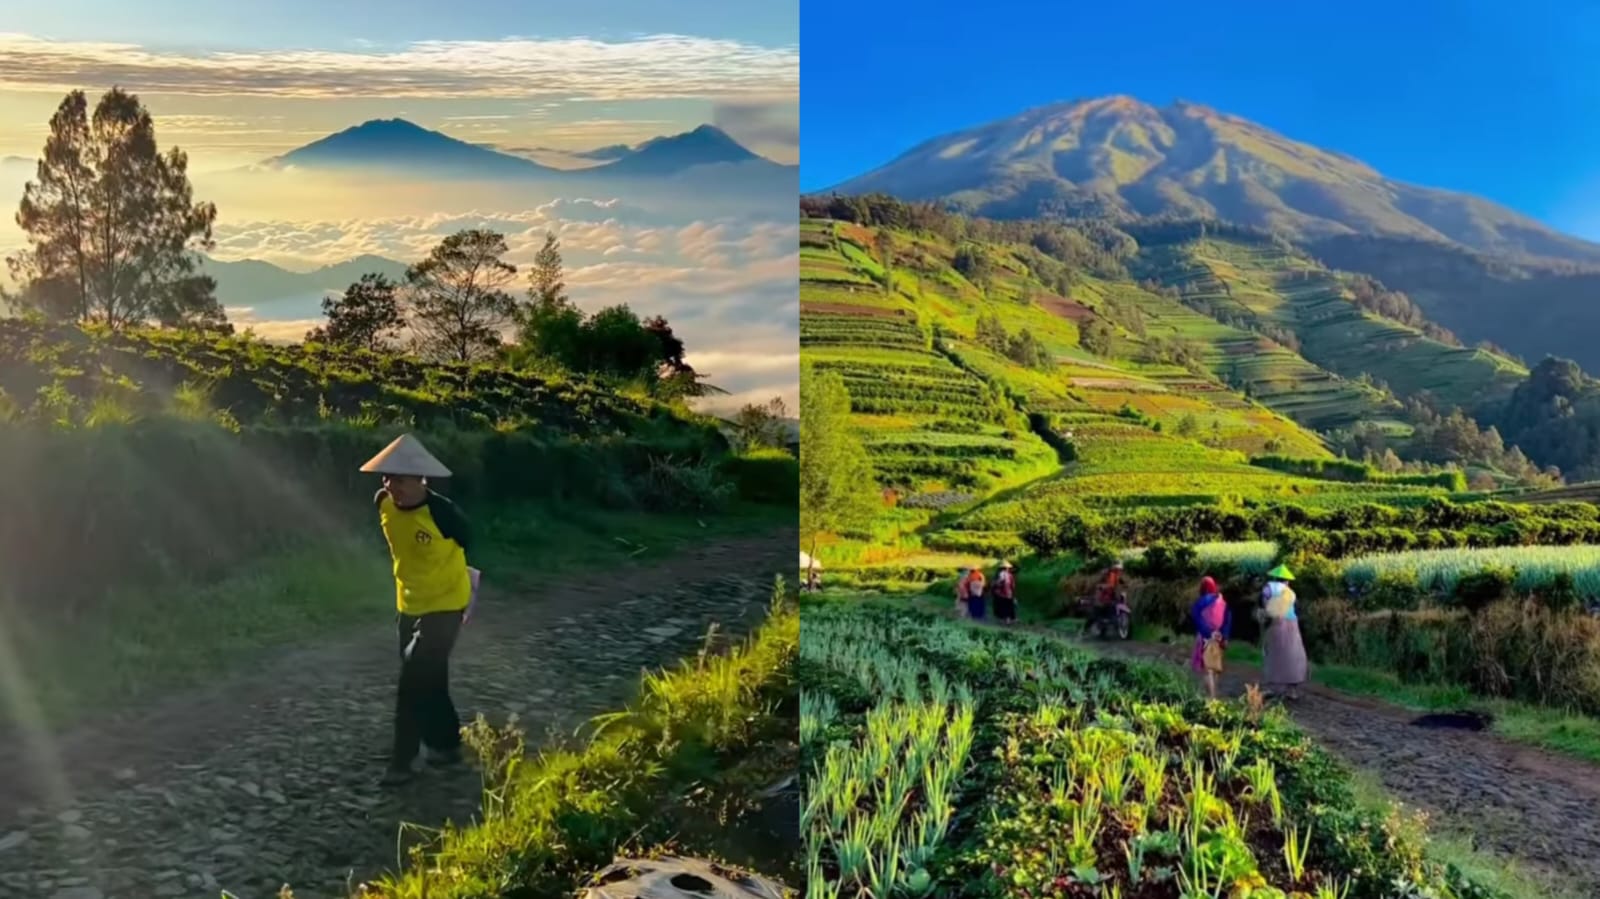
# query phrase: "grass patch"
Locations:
[[551, 820]]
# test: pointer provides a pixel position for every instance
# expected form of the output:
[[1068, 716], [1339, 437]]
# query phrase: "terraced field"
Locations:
[[945, 411], [1263, 284]]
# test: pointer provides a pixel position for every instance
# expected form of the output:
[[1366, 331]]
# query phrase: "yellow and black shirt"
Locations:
[[429, 544]]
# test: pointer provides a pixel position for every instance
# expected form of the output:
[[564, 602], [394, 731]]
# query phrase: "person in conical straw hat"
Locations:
[[1283, 654], [429, 540]]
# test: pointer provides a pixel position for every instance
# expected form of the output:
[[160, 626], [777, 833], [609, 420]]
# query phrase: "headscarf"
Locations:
[[1210, 610]]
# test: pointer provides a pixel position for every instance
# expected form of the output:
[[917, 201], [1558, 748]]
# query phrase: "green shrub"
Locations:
[[1169, 560], [1396, 590], [1476, 590], [765, 476]]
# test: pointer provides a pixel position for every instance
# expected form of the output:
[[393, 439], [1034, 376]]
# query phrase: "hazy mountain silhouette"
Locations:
[[400, 146], [261, 285]]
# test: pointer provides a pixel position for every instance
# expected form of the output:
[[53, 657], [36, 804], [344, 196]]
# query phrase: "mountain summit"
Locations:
[[1120, 157], [402, 145], [705, 145]]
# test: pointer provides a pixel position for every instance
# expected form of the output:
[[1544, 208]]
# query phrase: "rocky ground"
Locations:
[[1536, 807], [270, 778]]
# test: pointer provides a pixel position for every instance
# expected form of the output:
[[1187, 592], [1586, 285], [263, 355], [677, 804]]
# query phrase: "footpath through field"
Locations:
[[1541, 809], [271, 777]]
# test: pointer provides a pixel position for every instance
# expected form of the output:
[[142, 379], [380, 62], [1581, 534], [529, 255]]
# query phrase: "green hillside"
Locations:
[[984, 411]]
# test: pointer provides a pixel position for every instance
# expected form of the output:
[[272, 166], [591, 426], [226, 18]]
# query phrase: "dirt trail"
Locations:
[[271, 777], [1536, 807]]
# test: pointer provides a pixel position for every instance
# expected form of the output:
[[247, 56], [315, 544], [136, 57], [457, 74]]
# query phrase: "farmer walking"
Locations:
[[1284, 665], [1212, 624], [961, 592], [434, 590], [1005, 594]]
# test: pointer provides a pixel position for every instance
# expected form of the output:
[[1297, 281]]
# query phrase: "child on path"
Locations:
[[434, 590], [1213, 622]]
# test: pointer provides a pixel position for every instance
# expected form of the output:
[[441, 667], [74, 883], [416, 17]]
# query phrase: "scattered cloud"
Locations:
[[662, 66], [771, 128]]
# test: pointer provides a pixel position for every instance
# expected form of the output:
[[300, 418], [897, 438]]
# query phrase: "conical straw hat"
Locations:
[[406, 455]]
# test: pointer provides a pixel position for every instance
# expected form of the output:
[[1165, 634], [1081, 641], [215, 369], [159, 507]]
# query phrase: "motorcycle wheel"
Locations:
[[1124, 627]]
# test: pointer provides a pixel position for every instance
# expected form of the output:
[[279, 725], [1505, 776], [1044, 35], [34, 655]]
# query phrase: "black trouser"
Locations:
[[1005, 608], [423, 712]]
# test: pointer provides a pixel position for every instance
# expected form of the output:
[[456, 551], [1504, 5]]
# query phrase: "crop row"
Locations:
[[946, 761]]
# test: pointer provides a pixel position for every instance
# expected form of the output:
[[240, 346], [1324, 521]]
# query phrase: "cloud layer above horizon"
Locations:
[[656, 67], [728, 284]]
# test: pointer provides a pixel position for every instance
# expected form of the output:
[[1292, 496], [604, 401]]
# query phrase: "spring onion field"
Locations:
[[946, 760]]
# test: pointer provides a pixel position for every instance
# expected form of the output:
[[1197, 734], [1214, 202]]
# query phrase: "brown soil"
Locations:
[[1067, 309]]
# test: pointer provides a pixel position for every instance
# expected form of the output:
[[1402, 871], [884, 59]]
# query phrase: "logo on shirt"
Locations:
[[423, 537]]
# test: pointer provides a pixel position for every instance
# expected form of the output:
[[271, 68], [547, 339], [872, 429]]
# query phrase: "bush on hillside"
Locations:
[[765, 476]]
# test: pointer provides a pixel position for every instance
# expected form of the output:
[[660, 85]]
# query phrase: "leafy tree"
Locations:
[[615, 343], [458, 303], [549, 326], [1025, 349], [547, 278], [113, 230], [757, 426], [1188, 425], [367, 315], [1097, 337], [837, 483], [991, 333]]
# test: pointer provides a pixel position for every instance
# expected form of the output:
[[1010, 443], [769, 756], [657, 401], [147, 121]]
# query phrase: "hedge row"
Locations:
[[1348, 471], [1438, 523]]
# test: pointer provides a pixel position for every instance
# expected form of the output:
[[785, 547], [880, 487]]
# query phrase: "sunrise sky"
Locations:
[[234, 84]]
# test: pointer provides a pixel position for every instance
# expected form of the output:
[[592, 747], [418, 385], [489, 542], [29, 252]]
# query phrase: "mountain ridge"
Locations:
[[402, 144], [1121, 158]]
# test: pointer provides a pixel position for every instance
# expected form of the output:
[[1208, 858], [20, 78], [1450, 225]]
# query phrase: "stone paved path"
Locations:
[[271, 777], [1537, 807]]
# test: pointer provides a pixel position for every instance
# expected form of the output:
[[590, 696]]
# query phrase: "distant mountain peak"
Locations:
[[401, 144], [1122, 158], [668, 154]]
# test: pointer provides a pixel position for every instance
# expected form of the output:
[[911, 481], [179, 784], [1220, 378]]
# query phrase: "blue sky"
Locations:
[[235, 83], [299, 23], [1499, 99]]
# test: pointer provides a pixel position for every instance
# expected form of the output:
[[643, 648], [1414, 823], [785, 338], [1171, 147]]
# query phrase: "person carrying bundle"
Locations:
[[1212, 624], [435, 591], [1284, 655]]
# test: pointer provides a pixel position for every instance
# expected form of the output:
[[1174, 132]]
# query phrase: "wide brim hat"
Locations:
[[1281, 573], [1005, 564], [406, 456]]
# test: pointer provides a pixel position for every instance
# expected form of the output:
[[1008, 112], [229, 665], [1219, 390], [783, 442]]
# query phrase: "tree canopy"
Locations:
[[113, 230]]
